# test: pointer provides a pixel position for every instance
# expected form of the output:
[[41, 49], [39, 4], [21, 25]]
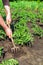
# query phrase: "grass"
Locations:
[[22, 13]]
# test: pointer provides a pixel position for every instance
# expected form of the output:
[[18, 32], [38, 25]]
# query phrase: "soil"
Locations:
[[26, 55]]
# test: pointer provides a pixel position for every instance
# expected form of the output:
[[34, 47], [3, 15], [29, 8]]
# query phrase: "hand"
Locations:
[[8, 19], [8, 32]]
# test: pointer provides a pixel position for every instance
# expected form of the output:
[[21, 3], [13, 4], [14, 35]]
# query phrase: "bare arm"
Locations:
[[7, 29], [2, 23], [7, 10], [6, 5]]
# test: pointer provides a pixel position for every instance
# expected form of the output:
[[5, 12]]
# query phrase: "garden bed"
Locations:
[[27, 55], [27, 27]]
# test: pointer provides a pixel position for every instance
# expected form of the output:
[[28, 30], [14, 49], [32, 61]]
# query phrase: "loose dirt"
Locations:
[[26, 55]]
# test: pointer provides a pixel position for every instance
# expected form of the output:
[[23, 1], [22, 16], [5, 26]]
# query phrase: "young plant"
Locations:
[[37, 30], [1, 50], [10, 62], [22, 33]]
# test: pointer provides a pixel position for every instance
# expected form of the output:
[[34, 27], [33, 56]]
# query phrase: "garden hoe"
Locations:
[[15, 48]]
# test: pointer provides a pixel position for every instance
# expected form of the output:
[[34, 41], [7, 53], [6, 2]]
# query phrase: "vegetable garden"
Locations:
[[27, 25]]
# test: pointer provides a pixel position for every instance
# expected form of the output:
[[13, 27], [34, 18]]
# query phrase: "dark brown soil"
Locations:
[[26, 55]]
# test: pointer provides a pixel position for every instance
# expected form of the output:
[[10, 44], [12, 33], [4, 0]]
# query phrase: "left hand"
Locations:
[[8, 19], [8, 32]]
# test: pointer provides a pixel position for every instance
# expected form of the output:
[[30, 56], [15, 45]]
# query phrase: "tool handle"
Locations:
[[12, 41], [8, 25], [11, 38]]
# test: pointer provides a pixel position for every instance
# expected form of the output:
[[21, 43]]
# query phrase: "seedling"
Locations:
[[10, 62]]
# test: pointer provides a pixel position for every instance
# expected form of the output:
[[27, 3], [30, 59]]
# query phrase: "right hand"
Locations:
[[8, 32]]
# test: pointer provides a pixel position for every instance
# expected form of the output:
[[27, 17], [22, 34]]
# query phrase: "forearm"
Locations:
[[7, 10], [7, 7], [2, 23], [5, 27]]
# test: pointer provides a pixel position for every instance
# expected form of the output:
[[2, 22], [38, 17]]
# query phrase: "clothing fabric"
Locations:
[[5, 2]]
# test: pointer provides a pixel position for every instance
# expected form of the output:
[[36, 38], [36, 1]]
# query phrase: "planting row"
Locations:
[[21, 14]]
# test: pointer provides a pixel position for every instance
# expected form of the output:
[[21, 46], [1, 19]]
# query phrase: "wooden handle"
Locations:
[[8, 25], [12, 41], [11, 38]]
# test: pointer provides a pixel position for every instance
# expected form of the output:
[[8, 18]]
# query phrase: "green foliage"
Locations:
[[1, 48], [1, 8], [2, 33], [37, 30], [10, 62], [23, 12], [22, 33], [25, 0], [29, 11]]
